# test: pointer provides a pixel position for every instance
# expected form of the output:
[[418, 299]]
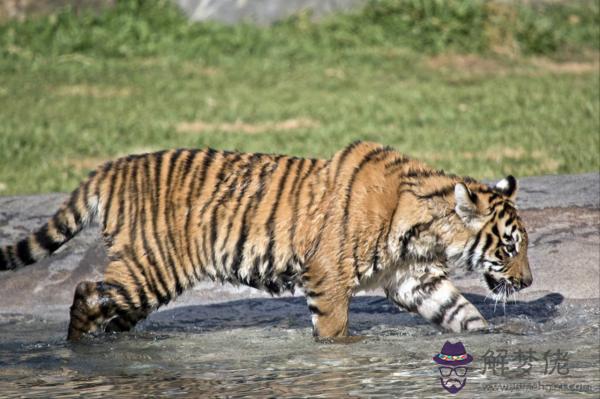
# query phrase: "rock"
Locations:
[[260, 12]]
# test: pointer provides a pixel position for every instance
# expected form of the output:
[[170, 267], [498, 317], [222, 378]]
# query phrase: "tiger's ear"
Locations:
[[466, 203], [508, 187]]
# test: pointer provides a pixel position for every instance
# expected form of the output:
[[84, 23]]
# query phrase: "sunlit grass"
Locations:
[[63, 109]]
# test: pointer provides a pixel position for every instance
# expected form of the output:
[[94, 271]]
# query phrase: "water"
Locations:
[[263, 347]]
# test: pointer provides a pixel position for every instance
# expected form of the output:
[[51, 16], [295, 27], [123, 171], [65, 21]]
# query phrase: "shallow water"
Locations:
[[263, 347]]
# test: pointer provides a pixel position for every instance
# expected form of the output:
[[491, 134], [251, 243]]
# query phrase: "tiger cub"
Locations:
[[368, 217]]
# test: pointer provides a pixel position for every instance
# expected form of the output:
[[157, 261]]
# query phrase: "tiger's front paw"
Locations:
[[477, 323]]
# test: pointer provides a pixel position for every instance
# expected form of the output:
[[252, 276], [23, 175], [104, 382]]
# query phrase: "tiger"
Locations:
[[368, 217]]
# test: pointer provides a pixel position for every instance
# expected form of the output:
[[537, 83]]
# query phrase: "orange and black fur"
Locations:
[[368, 217]]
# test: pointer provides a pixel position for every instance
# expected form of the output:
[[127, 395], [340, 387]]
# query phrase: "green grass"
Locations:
[[77, 90]]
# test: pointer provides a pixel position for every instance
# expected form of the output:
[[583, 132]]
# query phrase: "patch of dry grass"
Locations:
[[544, 163], [83, 90], [572, 67], [248, 128]]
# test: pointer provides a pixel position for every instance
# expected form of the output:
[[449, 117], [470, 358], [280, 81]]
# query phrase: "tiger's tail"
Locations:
[[78, 211]]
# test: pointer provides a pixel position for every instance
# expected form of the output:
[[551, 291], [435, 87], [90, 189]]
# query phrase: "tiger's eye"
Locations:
[[510, 248]]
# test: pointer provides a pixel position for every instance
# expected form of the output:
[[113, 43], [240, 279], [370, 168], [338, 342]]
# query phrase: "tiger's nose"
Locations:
[[526, 281]]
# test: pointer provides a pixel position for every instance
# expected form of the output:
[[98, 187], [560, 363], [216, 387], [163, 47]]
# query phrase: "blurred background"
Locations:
[[480, 88]]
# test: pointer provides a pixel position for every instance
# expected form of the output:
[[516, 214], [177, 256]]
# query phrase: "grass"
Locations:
[[477, 88]]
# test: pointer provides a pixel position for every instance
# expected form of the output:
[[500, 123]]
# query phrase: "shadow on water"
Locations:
[[365, 312]]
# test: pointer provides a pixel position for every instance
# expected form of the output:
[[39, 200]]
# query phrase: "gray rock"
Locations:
[[560, 191], [261, 12]]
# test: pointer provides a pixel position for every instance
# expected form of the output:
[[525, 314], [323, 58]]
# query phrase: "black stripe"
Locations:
[[73, 208], [375, 257], [343, 157], [438, 317], [181, 177], [314, 294], [157, 240], [253, 276], [315, 310], [132, 211], [189, 161], [294, 196], [429, 286], [294, 223], [112, 184], [3, 260], [122, 291], [390, 227], [421, 173], [318, 283], [487, 244], [198, 181], [398, 161], [241, 241], [207, 233], [45, 241], [169, 223], [139, 286], [455, 312], [311, 190], [154, 188], [220, 178], [495, 231], [438, 193], [465, 323], [471, 252], [204, 251], [24, 252], [395, 166], [121, 197], [218, 203], [11, 260], [101, 178], [270, 225], [63, 228], [472, 195], [355, 259], [370, 156], [86, 193], [246, 181], [147, 191], [414, 231]]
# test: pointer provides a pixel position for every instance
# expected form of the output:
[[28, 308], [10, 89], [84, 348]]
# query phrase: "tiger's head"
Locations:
[[498, 244]]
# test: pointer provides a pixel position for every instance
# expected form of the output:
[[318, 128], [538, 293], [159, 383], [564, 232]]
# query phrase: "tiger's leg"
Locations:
[[91, 307], [97, 302], [125, 320], [329, 315], [328, 301], [434, 297]]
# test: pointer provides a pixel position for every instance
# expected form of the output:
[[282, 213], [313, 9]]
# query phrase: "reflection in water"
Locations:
[[264, 347]]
